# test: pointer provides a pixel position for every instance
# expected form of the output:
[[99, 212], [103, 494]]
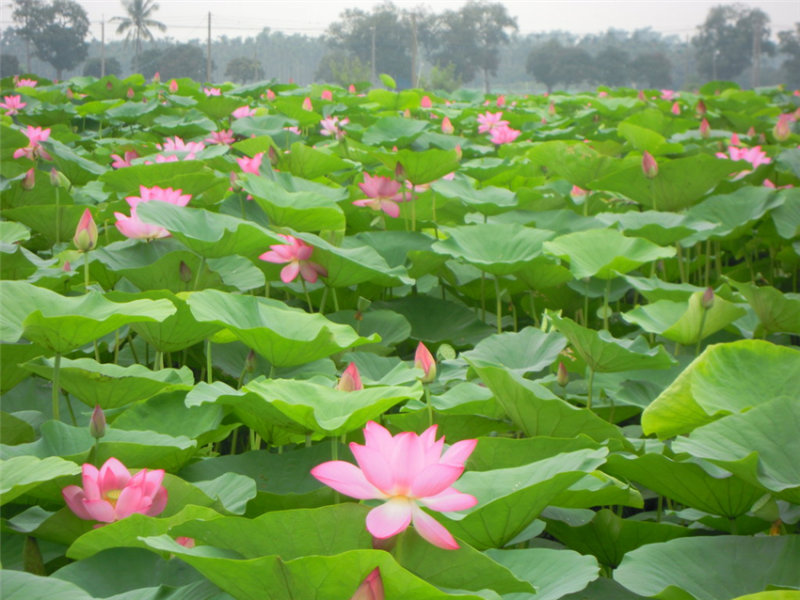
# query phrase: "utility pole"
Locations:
[[414, 50], [208, 59], [103, 47], [374, 79]]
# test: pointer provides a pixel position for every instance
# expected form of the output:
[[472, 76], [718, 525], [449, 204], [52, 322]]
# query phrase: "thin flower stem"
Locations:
[[56, 374], [133, 349], [86, 271], [499, 305], [96, 460], [308, 298], [427, 388], [700, 332], [605, 304], [209, 363], [323, 301], [591, 385], [116, 347], [58, 217], [413, 210], [199, 272]]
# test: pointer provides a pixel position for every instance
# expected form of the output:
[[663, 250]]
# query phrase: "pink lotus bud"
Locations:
[[173, 86], [273, 157], [407, 113], [236, 185], [562, 377], [399, 172], [86, 234], [649, 165], [185, 272], [270, 95], [67, 267], [424, 360], [501, 100], [307, 104], [70, 94], [708, 299], [447, 126], [762, 139], [783, 128], [676, 109], [641, 96], [425, 102], [97, 424], [735, 141], [186, 542], [701, 108], [352, 89], [751, 132], [394, 148], [157, 77], [551, 110], [55, 180], [350, 380], [130, 93], [327, 95], [705, 128], [371, 588], [109, 86], [29, 181], [459, 153], [250, 362], [578, 193]]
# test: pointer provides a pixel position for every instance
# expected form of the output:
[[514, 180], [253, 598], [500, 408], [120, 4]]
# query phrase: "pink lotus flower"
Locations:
[[270, 95], [307, 104], [25, 83], [157, 77], [298, 254], [578, 193], [294, 129], [735, 141], [668, 95], [769, 184], [423, 359], [350, 381], [371, 588], [212, 92], [176, 144], [755, 156], [111, 494], [425, 102], [330, 126], [250, 165], [447, 126], [131, 93], [132, 227], [408, 471], [504, 135], [160, 158], [186, 542], [602, 95], [352, 89], [243, 111], [34, 148], [173, 86], [120, 162], [13, 104], [327, 95], [501, 100], [224, 137], [490, 121], [641, 96], [384, 194], [676, 109], [551, 110]]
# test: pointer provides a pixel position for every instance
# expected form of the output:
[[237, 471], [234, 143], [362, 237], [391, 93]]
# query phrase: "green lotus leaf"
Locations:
[[108, 385], [528, 351], [576, 162], [301, 211], [725, 379], [25, 472], [686, 323], [42, 219], [662, 228], [421, 167], [711, 568], [735, 214], [604, 253], [63, 323], [285, 336], [78, 169], [787, 216], [654, 289], [190, 176], [772, 595], [393, 131], [778, 312], [310, 163], [647, 140], [543, 273], [688, 482], [19, 585], [392, 328], [759, 445], [218, 107], [12, 356], [487, 201], [14, 430], [605, 354], [609, 537]]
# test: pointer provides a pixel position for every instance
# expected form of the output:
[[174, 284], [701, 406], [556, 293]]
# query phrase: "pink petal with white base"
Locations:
[[289, 272], [450, 500], [433, 531], [389, 518], [435, 479], [100, 510], [347, 479]]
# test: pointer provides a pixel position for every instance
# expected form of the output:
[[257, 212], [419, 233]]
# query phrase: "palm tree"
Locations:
[[138, 24]]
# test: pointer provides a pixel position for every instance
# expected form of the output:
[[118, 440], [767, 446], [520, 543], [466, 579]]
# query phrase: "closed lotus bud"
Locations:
[[424, 360], [425, 102], [130, 93], [70, 94], [109, 86], [186, 542], [407, 113], [86, 234], [307, 104], [551, 110], [751, 132], [501, 100], [352, 89], [399, 172], [157, 77], [562, 377], [327, 95], [447, 126], [641, 96], [97, 424], [705, 128], [735, 141], [236, 185], [272, 154], [29, 181], [270, 95], [762, 139], [250, 362], [649, 165], [701, 108], [173, 86], [676, 109], [783, 129], [459, 153], [708, 299], [67, 267], [350, 380], [185, 272], [371, 588]]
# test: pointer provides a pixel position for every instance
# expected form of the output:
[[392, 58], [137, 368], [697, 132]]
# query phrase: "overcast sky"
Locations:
[[188, 19]]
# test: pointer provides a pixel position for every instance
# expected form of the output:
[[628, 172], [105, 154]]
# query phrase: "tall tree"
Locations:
[[552, 63], [612, 66], [243, 69], [790, 45], [138, 23], [652, 69]]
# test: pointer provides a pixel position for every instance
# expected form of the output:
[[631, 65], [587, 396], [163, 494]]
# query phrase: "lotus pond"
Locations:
[[316, 343]]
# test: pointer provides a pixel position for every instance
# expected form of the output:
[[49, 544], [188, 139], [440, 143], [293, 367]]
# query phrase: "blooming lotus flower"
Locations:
[[173, 86], [371, 588], [384, 194], [250, 165], [425, 102], [13, 104], [676, 109], [409, 471], [783, 128], [327, 95], [490, 121], [132, 227], [297, 253], [755, 156], [224, 137], [668, 95], [86, 233], [120, 162], [160, 158], [330, 126], [423, 359], [504, 135], [111, 494], [447, 126], [243, 111], [307, 104], [270, 95], [602, 95], [25, 83], [176, 144], [350, 381], [769, 184], [212, 92], [34, 148], [578, 193]]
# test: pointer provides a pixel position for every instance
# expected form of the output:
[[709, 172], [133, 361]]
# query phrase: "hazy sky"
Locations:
[[188, 19]]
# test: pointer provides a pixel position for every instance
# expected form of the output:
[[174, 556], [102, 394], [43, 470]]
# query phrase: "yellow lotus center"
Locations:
[[113, 496]]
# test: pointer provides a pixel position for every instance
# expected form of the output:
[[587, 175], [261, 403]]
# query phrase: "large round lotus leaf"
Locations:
[[177, 332], [496, 249], [724, 379], [605, 354], [189, 176], [109, 385], [787, 216], [772, 595], [681, 322], [63, 323], [43, 219], [301, 211], [510, 499], [391, 326], [778, 312], [12, 356], [487, 201], [576, 162], [421, 167], [760, 445], [647, 140], [285, 336], [78, 170], [528, 351], [662, 228], [711, 568], [393, 131], [19, 585], [609, 538], [212, 235], [25, 472], [735, 214], [707, 489], [604, 253], [679, 184], [543, 272], [654, 289]]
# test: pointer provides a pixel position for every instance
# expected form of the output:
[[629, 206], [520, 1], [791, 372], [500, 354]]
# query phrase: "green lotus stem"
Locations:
[[96, 351], [605, 304], [133, 348], [533, 309], [86, 271], [116, 347], [718, 259], [591, 384], [56, 374], [199, 271], [96, 452], [398, 547], [483, 296], [266, 290], [335, 299], [499, 305], [427, 389], [586, 204], [708, 262], [413, 210], [241, 377], [660, 508], [586, 305], [308, 440], [734, 527], [58, 218], [681, 268], [433, 214], [700, 332], [271, 371], [208, 362], [323, 301], [234, 440], [157, 361], [308, 298]]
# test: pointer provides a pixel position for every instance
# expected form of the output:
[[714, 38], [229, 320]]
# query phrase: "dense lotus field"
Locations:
[[273, 342]]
